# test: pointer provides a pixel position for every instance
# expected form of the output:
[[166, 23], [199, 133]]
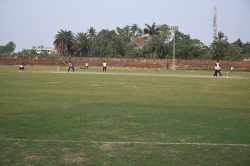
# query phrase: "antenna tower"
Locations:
[[215, 23]]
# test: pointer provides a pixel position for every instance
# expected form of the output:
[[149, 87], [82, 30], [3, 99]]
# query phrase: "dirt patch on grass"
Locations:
[[33, 157], [106, 147], [19, 144], [74, 158]]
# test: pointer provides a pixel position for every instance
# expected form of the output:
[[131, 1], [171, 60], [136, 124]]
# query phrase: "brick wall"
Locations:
[[123, 62]]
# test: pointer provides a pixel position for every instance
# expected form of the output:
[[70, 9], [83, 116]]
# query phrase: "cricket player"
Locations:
[[71, 66]]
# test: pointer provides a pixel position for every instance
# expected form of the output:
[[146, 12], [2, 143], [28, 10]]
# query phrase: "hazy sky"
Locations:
[[33, 23]]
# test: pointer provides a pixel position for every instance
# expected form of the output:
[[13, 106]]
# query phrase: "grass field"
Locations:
[[90, 118]]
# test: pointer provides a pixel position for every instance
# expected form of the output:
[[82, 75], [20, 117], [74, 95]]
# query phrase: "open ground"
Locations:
[[123, 117]]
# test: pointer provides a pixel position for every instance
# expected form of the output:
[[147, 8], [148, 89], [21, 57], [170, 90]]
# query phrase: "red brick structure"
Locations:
[[123, 62]]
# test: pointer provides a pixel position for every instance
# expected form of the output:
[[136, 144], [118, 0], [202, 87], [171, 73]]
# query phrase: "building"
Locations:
[[41, 49]]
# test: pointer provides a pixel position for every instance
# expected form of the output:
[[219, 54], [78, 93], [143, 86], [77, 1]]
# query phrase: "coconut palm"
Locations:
[[92, 32], [82, 43], [221, 36], [134, 28], [151, 30], [63, 42], [219, 47]]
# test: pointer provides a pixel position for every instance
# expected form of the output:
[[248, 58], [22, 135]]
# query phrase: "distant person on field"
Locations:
[[104, 66], [71, 66], [86, 66], [232, 69], [21, 67], [218, 65], [216, 70]]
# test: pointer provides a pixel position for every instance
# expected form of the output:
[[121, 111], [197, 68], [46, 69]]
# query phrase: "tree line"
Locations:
[[131, 42], [153, 41]]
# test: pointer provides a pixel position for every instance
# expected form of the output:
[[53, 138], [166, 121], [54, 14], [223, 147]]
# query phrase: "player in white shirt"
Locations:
[[86, 66], [71, 66], [218, 66], [104, 66], [21, 67]]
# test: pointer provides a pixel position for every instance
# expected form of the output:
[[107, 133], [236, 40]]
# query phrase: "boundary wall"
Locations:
[[16, 60]]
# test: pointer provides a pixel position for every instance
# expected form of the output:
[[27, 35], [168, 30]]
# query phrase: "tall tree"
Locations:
[[11, 46], [219, 47], [165, 33], [188, 49], [92, 32], [82, 43], [246, 48], [221, 36], [155, 47], [179, 36], [238, 42], [63, 42], [134, 28], [235, 52], [151, 30]]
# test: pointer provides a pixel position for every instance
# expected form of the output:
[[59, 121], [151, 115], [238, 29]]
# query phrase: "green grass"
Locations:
[[81, 108]]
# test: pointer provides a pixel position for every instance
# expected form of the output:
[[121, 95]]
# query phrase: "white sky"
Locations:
[[33, 23]]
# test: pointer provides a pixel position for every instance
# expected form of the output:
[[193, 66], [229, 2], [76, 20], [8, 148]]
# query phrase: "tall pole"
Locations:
[[174, 52], [215, 23], [174, 28]]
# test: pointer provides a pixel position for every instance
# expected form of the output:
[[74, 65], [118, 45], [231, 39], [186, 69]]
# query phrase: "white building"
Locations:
[[41, 49]]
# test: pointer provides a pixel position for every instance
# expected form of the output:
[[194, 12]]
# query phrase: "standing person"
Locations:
[[86, 66], [21, 67], [71, 66], [104, 66], [232, 69], [216, 70], [218, 65]]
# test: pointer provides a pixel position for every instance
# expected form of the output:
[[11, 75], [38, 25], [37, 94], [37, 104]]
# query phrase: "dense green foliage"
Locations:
[[8, 48], [129, 42], [153, 41], [50, 118]]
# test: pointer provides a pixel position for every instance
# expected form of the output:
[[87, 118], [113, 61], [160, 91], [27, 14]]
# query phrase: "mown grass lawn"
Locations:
[[49, 118]]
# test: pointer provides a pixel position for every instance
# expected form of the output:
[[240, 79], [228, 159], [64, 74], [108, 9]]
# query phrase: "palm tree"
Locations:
[[82, 43], [134, 28], [127, 31], [74, 48], [63, 42], [219, 47], [92, 32], [221, 36], [151, 30]]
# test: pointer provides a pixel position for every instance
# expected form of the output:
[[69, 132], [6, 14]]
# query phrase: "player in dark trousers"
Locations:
[[71, 66], [86, 66], [218, 65], [21, 67], [104, 66], [216, 70]]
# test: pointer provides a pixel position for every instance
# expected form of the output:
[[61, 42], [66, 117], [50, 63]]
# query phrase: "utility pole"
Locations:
[[173, 29], [215, 23]]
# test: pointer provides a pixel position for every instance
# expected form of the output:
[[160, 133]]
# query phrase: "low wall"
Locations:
[[123, 62]]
